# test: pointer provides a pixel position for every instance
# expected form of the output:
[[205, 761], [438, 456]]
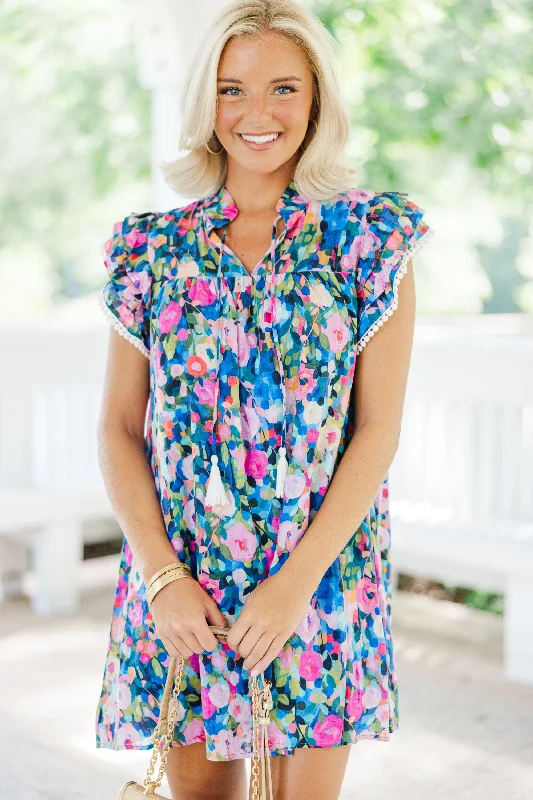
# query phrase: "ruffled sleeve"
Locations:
[[395, 230], [125, 299]]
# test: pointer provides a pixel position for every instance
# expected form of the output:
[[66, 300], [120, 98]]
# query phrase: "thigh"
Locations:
[[191, 776], [315, 773]]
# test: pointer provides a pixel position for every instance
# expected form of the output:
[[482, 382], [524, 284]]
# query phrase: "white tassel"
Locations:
[[266, 788], [282, 470], [215, 495]]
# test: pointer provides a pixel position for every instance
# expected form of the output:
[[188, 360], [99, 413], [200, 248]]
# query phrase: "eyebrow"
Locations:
[[276, 80]]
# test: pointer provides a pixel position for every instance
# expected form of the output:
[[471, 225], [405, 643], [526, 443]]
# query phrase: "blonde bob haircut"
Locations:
[[321, 171]]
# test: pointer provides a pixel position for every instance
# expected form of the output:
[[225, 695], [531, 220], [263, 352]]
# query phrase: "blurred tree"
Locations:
[[75, 125], [443, 77]]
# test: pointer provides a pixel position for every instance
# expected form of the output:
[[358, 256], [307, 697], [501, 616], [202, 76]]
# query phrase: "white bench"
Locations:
[[461, 484], [51, 492]]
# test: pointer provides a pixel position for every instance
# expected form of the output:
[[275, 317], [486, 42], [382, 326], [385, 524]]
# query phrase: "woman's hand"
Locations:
[[268, 618], [182, 611]]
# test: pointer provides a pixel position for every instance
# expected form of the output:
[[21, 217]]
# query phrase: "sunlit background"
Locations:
[[440, 98]]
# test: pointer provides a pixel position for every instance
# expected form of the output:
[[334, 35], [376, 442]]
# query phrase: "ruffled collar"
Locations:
[[220, 207]]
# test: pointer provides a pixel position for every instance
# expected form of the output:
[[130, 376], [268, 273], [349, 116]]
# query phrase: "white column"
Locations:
[[167, 33]]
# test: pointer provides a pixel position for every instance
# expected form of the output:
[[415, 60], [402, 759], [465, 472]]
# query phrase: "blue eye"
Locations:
[[229, 89]]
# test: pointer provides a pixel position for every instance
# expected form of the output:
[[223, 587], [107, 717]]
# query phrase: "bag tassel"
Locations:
[[262, 705], [282, 470], [215, 495]]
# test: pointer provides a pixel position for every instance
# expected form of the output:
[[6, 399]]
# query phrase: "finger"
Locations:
[[237, 632], [258, 650], [272, 652], [189, 637], [249, 641], [214, 614], [183, 647], [207, 638]]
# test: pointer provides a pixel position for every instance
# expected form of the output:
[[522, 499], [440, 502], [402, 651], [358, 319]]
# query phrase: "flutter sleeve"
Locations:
[[395, 230], [125, 298]]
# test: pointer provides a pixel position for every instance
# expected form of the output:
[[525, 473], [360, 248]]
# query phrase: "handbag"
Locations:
[[163, 733]]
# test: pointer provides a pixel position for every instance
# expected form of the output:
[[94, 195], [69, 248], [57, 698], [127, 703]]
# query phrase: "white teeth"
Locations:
[[259, 139]]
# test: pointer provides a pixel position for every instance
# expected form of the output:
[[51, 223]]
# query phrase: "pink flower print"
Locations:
[[382, 713], [347, 261], [124, 692], [256, 463], [310, 665], [201, 294], [371, 697], [276, 739], [147, 648], [194, 731], [328, 733], [205, 391], [135, 238], [219, 694], [136, 614], [170, 316], [286, 656], [239, 709], [394, 240], [211, 586], [366, 595], [117, 629], [354, 706], [241, 543], [208, 708], [142, 281], [309, 626], [336, 332], [129, 738]]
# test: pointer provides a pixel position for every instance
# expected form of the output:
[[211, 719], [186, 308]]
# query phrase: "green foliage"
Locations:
[[440, 77], [75, 125]]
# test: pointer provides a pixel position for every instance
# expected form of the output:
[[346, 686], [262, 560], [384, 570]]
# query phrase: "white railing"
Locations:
[[461, 482]]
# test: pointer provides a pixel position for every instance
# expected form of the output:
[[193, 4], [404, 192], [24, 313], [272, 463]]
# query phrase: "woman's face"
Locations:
[[264, 86]]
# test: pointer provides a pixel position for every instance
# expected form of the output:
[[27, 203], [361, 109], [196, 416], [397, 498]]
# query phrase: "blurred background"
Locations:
[[440, 97]]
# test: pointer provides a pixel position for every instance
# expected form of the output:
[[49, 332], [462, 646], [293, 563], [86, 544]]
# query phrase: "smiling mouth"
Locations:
[[260, 139]]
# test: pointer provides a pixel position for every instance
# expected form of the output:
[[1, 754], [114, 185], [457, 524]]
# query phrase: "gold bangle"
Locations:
[[162, 582], [179, 565]]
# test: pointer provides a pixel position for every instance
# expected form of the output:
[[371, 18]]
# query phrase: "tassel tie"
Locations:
[[216, 494], [262, 705]]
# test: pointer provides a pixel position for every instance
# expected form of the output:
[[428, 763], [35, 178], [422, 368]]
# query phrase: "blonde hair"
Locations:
[[321, 171]]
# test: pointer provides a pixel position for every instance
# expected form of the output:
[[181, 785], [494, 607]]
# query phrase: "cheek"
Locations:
[[227, 116]]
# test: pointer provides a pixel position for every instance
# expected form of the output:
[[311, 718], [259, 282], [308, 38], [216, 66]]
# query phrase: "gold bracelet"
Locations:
[[160, 583], [168, 567]]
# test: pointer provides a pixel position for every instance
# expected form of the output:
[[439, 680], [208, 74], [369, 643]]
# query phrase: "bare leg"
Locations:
[[315, 773], [191, 776]]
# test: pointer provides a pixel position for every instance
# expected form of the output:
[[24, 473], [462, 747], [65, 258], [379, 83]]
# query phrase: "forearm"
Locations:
[[130, 485], [350, 494]]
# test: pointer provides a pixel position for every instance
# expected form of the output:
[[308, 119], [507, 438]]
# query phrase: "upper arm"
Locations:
[[386, 309], [382, 366], [125, 300]]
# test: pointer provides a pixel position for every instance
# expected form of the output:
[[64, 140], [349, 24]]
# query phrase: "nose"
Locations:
[[258, 109]]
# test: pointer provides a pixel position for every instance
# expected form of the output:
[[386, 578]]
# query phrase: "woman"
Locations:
[[272, 405]]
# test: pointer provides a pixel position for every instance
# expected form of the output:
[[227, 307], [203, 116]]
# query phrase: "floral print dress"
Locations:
[[250, 411]]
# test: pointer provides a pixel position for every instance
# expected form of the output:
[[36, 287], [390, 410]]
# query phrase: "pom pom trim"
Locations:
[[402, 269], [120, 327]]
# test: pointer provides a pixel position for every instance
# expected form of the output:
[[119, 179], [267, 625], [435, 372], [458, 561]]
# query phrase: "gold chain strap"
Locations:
[[261, 707]]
